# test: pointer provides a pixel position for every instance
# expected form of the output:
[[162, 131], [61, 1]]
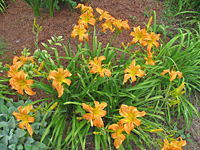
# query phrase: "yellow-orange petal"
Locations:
[[30, 130]]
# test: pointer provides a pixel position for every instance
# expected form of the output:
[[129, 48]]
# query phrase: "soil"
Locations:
[[17, 23]]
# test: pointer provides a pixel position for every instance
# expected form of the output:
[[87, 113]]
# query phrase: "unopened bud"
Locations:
[[41, 66], [53, 106], [37, 72], [96, 132], [156, 130], [8, 65]]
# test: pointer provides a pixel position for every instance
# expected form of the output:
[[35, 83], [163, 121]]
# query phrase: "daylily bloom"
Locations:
[[130, 115], [119, 24], [59, 78], [26, 119], [172, 74], [14, 68], [174, 145], [107, 25], [96, 62], [80, 31], [138, 36], [84, 8], [133, 72], [151, 39], [19, 82], [23, 59], [87, 18], [97, 68], [117, 135], [104, 14], [95, 114]]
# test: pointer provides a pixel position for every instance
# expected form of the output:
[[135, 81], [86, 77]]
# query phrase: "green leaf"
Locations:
[[3, 109], [11, 123], [28, 146], [20, 147], [4, 140], [14, 140], [3, 124], [3, 146], [11, 109], [9, 104], [29, 140], [12, 146], [46, 46], [20, 133]]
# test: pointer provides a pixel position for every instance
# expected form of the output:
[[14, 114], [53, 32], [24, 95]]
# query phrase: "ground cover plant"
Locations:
[[136, 85]]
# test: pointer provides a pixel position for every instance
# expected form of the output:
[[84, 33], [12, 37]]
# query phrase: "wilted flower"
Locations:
[[19, 83], [172, 74], [133, 72], [59, 78], [138, 36], [80, 31], [149, 60], [130, 115], [117, 135], [95, 114], [26, 119], [174, 145]]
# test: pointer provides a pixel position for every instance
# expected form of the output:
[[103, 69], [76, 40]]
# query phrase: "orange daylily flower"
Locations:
[[96, 62], [133, 72], [97, 68], [26, 119], [174, 145], [58, 78], [151, 39], [80, 31], [130, 113], [172, 74], [104, 14], [95, 114], [19, 82], [107, 25], [119, 24], [117, 135], [14, 68], [84, 8], [23, 59], [138, 36], [86, 18]]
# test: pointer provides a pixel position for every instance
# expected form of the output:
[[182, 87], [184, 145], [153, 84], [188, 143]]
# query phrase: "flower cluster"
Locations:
[[127, 124], [96, 67], [174, 145], [87, 17], [19, 79]]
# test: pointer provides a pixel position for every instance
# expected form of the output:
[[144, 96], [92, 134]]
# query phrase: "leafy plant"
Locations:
[[125, 98], [11, 136]]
